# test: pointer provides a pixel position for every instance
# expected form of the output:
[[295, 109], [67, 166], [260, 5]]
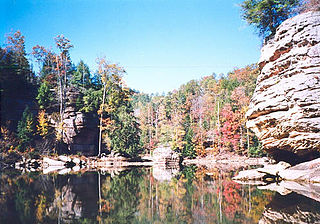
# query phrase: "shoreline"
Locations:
[[49, 164]]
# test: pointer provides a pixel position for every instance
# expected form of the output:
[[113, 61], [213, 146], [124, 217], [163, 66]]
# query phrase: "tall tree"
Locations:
[[63, 64], [16, 78], [118, 126], [81, 76]]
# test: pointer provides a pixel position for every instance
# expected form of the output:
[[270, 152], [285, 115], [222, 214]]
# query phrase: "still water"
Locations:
[[146, 195]]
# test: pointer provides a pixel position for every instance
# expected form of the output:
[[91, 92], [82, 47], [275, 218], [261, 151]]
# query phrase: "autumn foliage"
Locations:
[[202, 117]]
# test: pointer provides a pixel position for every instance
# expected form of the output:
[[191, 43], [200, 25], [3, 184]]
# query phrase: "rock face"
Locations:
[[80, 129], [285, 109]]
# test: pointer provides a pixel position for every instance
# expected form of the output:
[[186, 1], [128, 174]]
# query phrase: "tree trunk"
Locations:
[[101, 116]]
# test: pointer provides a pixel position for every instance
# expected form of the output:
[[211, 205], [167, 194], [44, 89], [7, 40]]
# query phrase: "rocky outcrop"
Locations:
[[304, 172], [80, 130], [302, 179], [285, 109], [165, 156]]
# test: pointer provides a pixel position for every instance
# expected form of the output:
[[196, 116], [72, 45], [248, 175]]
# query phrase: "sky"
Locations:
[[162, 44]]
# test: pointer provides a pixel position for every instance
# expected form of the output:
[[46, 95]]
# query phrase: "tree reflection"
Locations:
[[193, 195], [120, 197]]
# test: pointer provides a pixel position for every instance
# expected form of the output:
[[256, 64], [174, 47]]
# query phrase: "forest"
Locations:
[[202, 116], [44, 93]]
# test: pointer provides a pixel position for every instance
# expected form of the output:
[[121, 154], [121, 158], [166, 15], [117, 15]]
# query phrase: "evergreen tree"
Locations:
[[44, 96], [267, 15], [118, 127], [124, 137], [81, 76], [26, 127]]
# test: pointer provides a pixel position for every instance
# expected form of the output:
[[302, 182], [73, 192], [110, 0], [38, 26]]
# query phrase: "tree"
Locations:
[[63, 64], [39, 53], [16, 45], [267, 15], [81, 77], [26, 127], [43, 126], [118, 126], [44, 96], [16, 79], [124, 136]]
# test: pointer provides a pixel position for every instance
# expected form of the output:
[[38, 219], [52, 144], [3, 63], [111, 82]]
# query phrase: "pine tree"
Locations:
[[26, 127], [44, 96], [267, 15]]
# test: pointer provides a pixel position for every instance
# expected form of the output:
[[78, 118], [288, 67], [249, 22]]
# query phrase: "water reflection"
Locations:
[[141, 195], [291, 208]]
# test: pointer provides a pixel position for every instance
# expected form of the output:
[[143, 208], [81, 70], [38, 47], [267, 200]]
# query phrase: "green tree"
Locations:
[[125, 136], [44, 96], [81, 77], [26, 127], [16, 78], [118, 126], [267, 15]]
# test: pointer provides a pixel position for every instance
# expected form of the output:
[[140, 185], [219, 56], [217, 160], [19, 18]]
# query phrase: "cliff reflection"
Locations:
[[191, 195], [291, 208]]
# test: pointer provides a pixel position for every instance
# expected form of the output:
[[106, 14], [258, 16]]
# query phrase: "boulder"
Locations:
[[308, 172], [47, 162], [284, 111], [165, 155]]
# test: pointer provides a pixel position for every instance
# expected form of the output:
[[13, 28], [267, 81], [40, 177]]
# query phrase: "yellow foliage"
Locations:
[[5, 133], [41, 205], [43, 125], [59, 131]]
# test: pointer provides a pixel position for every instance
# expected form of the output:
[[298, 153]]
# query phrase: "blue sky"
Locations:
[[161, 43]]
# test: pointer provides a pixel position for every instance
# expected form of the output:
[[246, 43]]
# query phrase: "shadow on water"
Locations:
[[144, 195]]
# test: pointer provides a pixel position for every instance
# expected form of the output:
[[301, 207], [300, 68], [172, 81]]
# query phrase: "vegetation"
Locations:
[[26, 127], [202, 117], [102, 93], [267, 15]]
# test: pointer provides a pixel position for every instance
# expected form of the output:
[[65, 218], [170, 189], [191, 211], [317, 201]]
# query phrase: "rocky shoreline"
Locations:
[[73, 163], [303, 178]]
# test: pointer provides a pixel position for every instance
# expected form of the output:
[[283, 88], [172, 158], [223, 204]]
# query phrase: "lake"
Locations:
[[146, 195]]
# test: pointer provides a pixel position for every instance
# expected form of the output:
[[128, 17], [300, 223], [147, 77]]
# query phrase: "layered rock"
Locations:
[[80, 130], [285, 109]]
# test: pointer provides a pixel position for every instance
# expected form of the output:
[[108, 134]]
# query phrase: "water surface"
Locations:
[[140, 195]]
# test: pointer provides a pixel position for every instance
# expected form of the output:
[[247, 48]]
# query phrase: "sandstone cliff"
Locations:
[[80, 129], [285, 109]]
